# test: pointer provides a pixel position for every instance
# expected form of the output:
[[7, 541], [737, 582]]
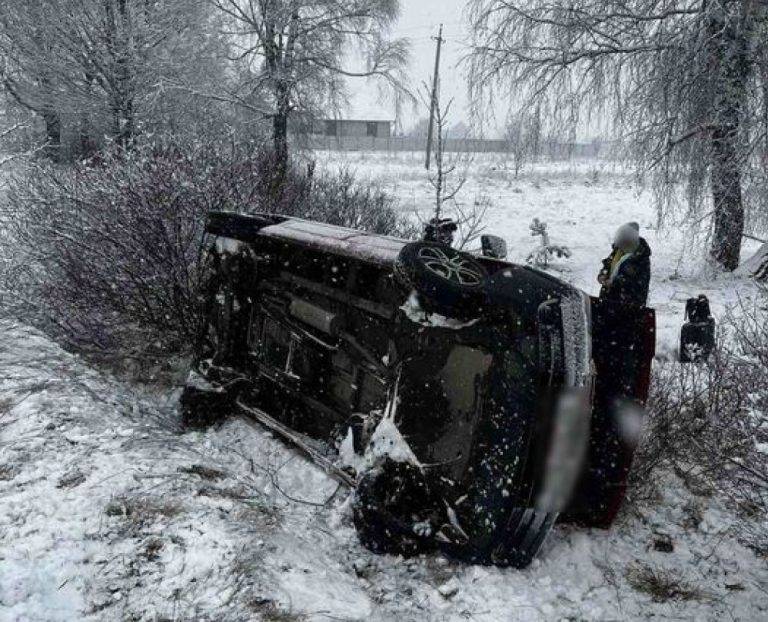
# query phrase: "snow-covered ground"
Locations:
[[109, 512]]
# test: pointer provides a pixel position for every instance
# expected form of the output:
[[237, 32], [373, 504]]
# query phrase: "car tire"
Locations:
[[526, 531], [385, 510], [448, 281]]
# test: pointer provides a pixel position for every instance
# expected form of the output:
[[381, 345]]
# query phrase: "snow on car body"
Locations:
[[482, 401]]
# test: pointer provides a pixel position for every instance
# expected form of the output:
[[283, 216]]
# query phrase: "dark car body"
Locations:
[[511, 416]]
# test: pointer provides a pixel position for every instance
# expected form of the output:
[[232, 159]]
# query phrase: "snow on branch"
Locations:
[[543, 255]]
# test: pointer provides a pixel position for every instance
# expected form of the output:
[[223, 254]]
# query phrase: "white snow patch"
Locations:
[[345, 241], [388, 442], [199, 382], [414, 312], [348, 457]]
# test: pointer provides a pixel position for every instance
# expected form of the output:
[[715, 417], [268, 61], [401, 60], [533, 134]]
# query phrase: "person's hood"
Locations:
[[643, 249]]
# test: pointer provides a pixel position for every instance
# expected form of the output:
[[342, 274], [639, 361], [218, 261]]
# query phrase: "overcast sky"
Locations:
[[419, 22]]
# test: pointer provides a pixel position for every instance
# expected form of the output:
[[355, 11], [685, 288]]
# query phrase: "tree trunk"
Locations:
[[88, 144], [52, 134], [280, 142], [119, 38], [123, 122], [731, 63], [280, 138], [128, 128], [726, 196]]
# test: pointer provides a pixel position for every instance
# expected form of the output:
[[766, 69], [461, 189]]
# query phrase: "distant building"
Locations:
[[359, 128], [359, 122], [363, 115]]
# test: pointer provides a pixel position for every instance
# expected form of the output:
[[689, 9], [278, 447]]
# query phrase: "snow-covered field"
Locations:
[[109, 512]]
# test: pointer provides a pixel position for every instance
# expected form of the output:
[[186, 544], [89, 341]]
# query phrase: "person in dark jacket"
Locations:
[[626, 272]]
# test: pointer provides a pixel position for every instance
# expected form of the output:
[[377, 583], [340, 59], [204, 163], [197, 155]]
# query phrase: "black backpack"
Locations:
[[697, 309], [697, 337]]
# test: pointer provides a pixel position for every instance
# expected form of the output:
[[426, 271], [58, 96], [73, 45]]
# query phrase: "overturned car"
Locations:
[[472, 403]]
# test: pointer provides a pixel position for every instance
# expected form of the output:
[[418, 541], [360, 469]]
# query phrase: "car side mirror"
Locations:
[[493, 246]]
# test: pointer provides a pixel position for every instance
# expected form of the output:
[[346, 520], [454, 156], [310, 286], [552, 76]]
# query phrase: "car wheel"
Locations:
[[392, 510], [526, 531], [448, 281]]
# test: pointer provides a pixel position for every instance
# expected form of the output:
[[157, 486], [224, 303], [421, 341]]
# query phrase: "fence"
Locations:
[[551, 149]]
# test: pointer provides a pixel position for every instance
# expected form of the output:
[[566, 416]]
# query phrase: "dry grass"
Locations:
[[204, 472], [705, 425], [71, 480], [152, 549], [270, 611], [662, 585], [141, 511], [7, 472]]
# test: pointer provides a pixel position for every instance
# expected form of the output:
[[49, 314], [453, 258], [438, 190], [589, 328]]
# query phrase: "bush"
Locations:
[[109, 249], [708, 422], [340, 200]]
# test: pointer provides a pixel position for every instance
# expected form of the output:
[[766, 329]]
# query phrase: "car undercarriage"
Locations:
[[471, 403]]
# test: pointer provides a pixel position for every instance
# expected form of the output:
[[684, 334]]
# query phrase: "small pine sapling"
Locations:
[[541, 256]]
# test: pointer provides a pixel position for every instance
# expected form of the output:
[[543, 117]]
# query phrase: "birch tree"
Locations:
[[103, 62], [684, 82], [27, 70], [299, 52], [523, 138]]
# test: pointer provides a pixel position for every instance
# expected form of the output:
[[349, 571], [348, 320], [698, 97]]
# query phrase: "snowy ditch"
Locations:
[[108, 512]]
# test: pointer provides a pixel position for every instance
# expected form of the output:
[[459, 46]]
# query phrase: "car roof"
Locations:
[[373, 247]]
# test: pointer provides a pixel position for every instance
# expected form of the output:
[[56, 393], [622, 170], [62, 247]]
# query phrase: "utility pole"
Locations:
[[433, 101]]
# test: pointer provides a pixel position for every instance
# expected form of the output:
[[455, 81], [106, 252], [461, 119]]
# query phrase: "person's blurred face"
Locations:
[[625, 240]]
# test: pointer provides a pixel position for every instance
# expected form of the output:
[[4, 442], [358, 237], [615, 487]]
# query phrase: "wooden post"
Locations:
[[433, 100]]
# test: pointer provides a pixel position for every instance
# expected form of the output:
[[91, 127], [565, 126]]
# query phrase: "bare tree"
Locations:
[[101, 63], [684, 81], [296, 51], [28, 72], [7, 134], [447, 180], [523, 137], [449, 177]]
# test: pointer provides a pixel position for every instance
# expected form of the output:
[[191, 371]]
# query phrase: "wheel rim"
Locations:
[[457, 269]]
